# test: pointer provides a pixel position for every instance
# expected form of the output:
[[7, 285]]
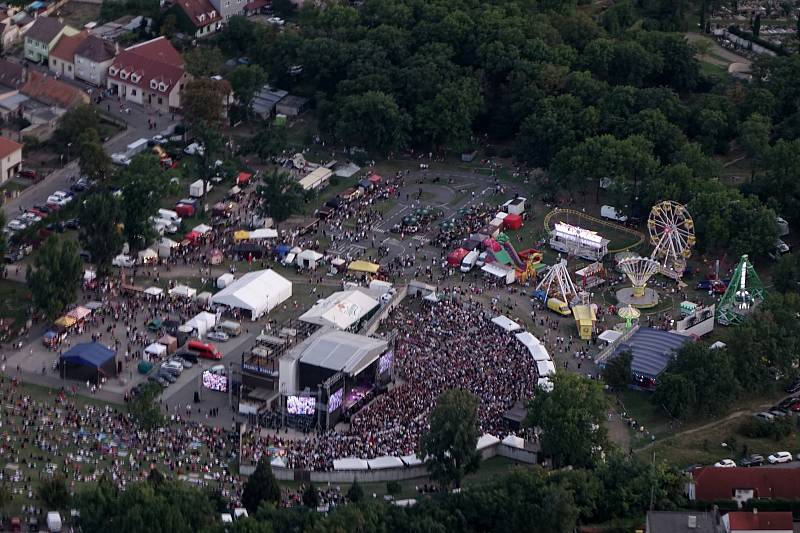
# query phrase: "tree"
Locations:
[[3, 240], [202, 62], [311, 497], [54, 493], [6, 496], [570, 418], [786, 274], [355, 493], [757, 25], [268, 142], [675, 394], [246, 81], [145, 409], [54, 276], [144, 184], [617, 372], [450, 442], [204, 100], [260, 487], [372, 120], [73, 123], [100, 234], [280, 196], [93, 160], [754, 135]]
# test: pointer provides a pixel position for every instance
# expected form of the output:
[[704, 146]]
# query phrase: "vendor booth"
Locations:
[[88, 361]]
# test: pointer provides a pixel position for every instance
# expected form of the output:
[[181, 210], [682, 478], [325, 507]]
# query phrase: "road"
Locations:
[[137, 122], [717, 54]]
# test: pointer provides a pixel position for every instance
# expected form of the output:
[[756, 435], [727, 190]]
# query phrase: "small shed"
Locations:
[[291, 105], [243, 178], [224, 280], [512, 221], [308, 259], [585, 320], [170, 342], [515, 206]]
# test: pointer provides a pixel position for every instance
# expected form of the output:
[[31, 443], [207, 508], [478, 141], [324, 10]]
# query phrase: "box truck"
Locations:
[[136, 147]]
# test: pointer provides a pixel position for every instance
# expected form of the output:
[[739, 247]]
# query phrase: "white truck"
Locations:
[[54, 524], [136, 147], [469, 261], [611, 213]]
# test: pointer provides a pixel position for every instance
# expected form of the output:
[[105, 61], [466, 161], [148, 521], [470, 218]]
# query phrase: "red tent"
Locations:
[[243, 178], [456, 256], [375, 179], [491, 244], [192, 236], [512, 221]]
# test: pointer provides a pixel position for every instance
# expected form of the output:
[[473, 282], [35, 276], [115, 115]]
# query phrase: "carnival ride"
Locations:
[[558, 284], [743, 294], [671, 230], [638, 270], [572, 214], [526, 263]]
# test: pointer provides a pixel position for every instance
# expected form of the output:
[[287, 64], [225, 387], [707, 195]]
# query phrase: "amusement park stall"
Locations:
[[455, 257]]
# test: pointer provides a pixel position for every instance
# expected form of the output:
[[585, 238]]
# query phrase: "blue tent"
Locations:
[[91, 354], [282, 249]]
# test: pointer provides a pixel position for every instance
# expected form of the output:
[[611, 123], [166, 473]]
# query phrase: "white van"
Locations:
[[54, 522], [469, 261], [610, 212], [170, 215]]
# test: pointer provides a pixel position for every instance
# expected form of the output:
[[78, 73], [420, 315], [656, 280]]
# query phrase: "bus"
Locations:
[[205, 350]]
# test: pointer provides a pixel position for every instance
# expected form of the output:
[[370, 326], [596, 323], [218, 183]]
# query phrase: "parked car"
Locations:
[[159, 139], [182, 361], [173, 367], [154, 378], [780, 457], [123, 261], [752, 460], [219, 336], [764, 416], [725, 463], [16, 225], [794, 387], [28, 174], [166, 375], [120, 159]]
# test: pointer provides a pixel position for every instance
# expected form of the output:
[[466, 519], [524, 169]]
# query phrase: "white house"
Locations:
[[92, 58], [10, 158]]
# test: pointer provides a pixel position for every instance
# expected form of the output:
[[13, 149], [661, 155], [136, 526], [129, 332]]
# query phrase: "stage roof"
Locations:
[[341, 309], [91, 354], [342, 351], [652, 350]]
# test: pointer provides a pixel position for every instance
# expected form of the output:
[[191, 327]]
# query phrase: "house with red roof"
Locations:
[[151, 74], [197, 17], [742, 484], [62, 56], [758, 522], [10, 158]]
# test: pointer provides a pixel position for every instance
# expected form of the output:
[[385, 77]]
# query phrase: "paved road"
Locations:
[[717, 54]]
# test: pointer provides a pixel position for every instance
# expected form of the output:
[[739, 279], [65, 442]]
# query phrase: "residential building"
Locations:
[[229, 8], [12, 105], [742, 484], [52, 92], [62, 56], [151, 74], [758, 522], [197, 17], [111, 31], [10, 158], [92, 59], [684, 522], [42, 37], [12, 75]]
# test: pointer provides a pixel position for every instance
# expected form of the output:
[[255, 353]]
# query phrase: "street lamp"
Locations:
[[68, 147]]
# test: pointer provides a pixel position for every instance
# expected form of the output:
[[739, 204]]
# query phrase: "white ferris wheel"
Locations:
[[671, 231]]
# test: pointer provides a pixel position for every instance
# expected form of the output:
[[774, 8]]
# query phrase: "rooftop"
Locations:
[[11, 74], [719, 483], [96, 49], [45, 29], [50, 91], [200, 12], [8, 147], [652, 350], [341, 351], [66, 46]]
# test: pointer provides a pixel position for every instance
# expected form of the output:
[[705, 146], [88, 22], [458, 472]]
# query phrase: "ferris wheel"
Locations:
[[671, 231]]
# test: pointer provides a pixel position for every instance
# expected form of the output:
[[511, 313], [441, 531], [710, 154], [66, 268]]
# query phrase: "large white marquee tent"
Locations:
[[256, 293]]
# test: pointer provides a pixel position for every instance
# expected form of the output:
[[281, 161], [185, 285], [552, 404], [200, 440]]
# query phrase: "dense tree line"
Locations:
[[585, 98]]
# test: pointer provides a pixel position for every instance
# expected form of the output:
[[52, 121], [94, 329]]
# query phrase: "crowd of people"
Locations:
[[441, 346]]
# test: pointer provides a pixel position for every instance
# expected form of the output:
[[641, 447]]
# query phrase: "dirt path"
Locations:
[[714, 423], [717, 55]]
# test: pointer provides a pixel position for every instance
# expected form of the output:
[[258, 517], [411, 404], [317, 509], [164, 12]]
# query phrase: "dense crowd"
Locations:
[[440, 347]]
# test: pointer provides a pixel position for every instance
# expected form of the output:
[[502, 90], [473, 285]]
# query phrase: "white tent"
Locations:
[[500, 271], [545, 368], [609, 335], [89, 275], [340, 310], [350, 463], [202, 229], [514, 441], [527, 339], [387, 461], [225, 280], [432, 297], [183, 291], [485, 441], [165, 247], [154, 291], [278, 461], [545, 384], [148, 255], [202, 322], [156, 350], [256, 292], [308, 259], [506, 323], [262, 233], [411, 460]]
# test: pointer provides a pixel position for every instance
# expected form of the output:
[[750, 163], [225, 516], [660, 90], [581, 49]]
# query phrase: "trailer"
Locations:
[[136, 147]]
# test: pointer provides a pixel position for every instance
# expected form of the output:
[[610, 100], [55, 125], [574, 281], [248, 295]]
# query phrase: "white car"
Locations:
[[725, 463], [16, 225], [218, 370], [30, 217], [123, 261], [219, 336], [158, 139], [120, 159], [780, 457], [193, 149]]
